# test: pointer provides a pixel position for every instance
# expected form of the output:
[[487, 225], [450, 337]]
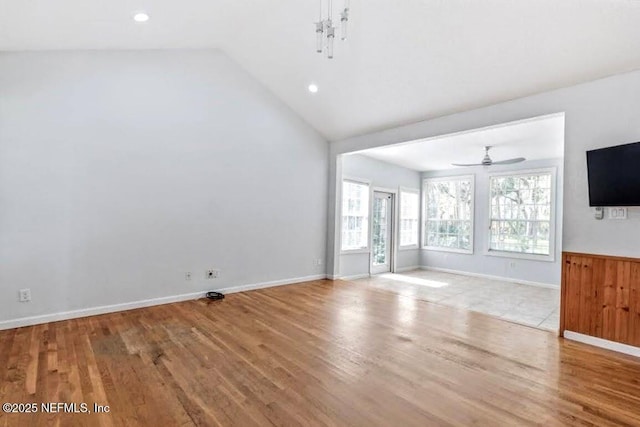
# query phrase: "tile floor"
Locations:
[[528, 305]]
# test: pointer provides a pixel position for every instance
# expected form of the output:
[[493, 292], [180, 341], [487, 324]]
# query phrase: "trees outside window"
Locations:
[[448, 213], [521, 213]]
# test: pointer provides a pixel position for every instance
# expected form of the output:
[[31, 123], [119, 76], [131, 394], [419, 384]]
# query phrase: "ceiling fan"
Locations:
[[486, 161]]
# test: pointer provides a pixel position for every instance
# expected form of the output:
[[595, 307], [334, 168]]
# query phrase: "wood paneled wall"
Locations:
[[601, 297]]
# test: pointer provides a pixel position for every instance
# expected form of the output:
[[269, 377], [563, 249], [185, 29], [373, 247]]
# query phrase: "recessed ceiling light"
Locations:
[[313, 88], [141, 17]]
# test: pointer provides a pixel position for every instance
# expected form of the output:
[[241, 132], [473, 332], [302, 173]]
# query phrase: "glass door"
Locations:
[[382, 232]]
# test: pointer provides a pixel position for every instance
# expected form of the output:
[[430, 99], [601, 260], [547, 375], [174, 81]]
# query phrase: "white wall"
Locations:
[[383, 175], [597, 114], [523, 270], [120, 171]]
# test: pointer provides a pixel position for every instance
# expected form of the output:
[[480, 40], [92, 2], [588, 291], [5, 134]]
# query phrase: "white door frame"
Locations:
[[393, 250]]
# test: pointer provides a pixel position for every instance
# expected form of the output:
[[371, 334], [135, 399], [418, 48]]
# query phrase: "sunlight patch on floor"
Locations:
[[414, 280]]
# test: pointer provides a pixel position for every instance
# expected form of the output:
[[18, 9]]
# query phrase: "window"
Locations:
[[522, 212], [355, 215], [409, 213], [449, 214]]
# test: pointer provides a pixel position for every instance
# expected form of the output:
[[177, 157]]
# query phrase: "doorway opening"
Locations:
[[450, 223]]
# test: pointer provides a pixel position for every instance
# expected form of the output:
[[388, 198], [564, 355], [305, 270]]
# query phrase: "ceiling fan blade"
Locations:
[[466, 164], [510, 161]]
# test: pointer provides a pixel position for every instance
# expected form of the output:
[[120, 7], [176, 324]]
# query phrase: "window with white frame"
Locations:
[[448, 213], [355, 215], [522, 208], [409, 217]]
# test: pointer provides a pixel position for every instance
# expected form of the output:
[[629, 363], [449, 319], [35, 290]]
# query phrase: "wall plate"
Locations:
[[617, 213], [599, 213]]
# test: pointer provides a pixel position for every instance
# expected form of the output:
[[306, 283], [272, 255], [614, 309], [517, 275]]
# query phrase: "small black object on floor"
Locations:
[[214, 295]]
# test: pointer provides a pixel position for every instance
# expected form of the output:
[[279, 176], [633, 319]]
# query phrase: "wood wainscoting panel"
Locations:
[[601, 297]]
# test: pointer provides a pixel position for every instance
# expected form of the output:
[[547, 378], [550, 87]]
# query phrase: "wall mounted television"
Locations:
[[614, 175]]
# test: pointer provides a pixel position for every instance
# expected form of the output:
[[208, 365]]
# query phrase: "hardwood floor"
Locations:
[[319, 353]]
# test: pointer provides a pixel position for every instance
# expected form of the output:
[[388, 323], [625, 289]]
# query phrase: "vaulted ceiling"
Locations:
[[405, 60]]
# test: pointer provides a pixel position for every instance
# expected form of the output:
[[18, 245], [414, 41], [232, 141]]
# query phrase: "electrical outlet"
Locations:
[[24, 295], [187, 275], [512, 264], [318, 261], [212, 274]]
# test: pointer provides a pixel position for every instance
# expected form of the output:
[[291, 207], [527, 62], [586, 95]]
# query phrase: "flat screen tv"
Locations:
[[614, 175]]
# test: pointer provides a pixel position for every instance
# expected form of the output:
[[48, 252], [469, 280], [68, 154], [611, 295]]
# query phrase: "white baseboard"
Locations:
[[261, 285], [354, 276], [599, 342], [488, 276], [363, 275], [93, 311], [405, 269]]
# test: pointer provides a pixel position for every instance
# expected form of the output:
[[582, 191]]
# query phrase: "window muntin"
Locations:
[[449, 214], [355, 215], [409, 218], [521, 213]]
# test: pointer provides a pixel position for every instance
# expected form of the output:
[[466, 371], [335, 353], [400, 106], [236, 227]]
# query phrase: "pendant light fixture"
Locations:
[[326, 32]]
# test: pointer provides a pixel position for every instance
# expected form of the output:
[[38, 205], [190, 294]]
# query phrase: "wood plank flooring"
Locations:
[[316, 354]]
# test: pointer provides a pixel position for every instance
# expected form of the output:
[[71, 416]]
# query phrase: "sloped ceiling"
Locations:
[[405, 61]]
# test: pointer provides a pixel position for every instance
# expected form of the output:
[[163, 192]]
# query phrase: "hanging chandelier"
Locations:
[[325, 31]]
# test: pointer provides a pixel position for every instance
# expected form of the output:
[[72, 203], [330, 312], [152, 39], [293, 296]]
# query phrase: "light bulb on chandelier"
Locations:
[[325, 31], [344, 20]]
